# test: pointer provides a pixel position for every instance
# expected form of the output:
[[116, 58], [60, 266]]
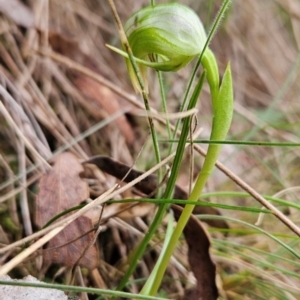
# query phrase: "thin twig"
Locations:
[[247, 188]]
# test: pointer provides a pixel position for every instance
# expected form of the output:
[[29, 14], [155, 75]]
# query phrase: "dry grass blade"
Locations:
[[17, 12], [62, 89]]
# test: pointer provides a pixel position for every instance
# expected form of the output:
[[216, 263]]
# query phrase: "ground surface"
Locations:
[[52, 101]]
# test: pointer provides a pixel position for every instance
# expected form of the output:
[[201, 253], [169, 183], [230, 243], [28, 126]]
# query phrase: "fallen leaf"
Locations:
[[91, 89], [17, 12], [68, 246], [199, 259], [107, 100], [60, 189]]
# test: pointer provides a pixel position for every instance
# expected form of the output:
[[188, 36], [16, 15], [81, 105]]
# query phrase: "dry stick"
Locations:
[[84, 295], [246, 187], [168, 116], [221, 167]]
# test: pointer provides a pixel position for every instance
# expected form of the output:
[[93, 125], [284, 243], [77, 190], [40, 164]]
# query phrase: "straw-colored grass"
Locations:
[[78, 98]]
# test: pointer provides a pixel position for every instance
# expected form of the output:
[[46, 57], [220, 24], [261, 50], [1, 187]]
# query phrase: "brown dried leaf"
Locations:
[[199, 259], [91, 89], [107, 100], [60, 189], [76, 241], [17, 12]]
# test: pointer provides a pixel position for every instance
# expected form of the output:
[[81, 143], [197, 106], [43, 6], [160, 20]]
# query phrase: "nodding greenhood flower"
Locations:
[[165, 37]]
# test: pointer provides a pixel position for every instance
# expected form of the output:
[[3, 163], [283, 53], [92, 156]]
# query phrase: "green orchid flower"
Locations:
[[165, 37]]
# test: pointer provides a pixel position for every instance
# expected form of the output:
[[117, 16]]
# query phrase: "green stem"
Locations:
[[135, 257], [209, 63], [213, 30], [221, 122], [165, 110], [222, 109], [182, 140], [175, 171], [137, 254], [191, 81], [164, 102]]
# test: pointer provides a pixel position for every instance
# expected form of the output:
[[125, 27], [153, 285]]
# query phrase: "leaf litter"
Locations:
[[60, 189], [43, 88]]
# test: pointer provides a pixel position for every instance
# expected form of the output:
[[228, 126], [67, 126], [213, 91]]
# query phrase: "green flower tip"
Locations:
[[170, 33]]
